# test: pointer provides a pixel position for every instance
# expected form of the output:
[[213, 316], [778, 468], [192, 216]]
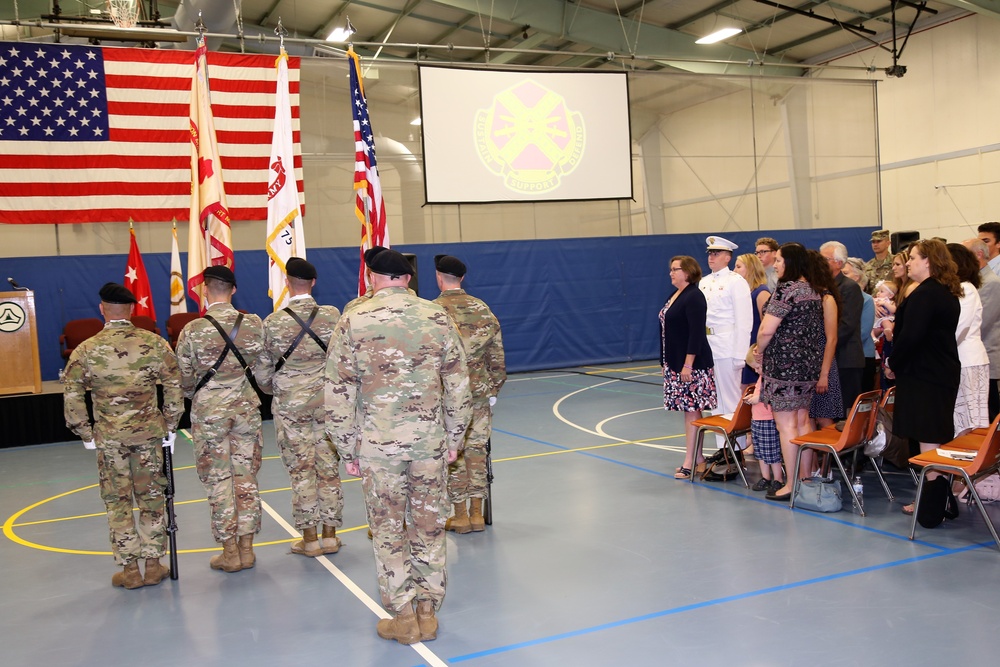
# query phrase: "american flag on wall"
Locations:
[[91, 134]]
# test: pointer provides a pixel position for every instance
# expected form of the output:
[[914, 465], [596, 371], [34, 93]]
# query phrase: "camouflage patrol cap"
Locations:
[[390, 263], [371, 253], [296, 267], [223, 273], [880, 235], [453, 266], [115, 293]]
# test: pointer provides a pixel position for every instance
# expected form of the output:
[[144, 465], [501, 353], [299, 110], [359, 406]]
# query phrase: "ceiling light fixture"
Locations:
[[719, 35], [415, 121], [341, 33]]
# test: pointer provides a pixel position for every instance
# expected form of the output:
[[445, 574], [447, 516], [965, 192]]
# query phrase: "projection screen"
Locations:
[[531, 136]]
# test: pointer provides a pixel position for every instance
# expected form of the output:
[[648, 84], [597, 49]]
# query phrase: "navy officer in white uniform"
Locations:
[[728, 324]]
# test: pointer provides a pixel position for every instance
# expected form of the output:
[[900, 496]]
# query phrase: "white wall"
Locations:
[[938, 129]]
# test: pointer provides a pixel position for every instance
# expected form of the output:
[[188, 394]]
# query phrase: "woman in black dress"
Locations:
[[924, 352], [688, 378]]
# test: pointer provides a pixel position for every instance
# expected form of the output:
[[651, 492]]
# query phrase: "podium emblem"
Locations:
[[12, 317]]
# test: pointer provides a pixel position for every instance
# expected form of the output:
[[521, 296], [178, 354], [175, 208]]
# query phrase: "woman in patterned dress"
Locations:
[[790, 345], [688, 378]]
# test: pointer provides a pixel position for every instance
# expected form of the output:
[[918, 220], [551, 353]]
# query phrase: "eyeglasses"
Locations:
[[762, 252]]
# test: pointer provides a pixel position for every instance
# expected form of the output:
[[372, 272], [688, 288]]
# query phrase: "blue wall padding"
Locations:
[[560, 302]]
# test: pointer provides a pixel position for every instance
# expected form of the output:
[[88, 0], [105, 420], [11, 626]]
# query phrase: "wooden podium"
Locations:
[[22, 372]]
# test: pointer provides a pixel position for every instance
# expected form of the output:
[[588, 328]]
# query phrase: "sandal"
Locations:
[[683, 473], [908, 509]]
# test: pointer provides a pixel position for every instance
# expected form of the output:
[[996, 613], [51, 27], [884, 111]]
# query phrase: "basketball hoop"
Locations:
[[124, 13]]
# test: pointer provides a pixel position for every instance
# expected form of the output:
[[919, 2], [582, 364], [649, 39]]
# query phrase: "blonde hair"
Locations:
[[888, 284], [755, 270]]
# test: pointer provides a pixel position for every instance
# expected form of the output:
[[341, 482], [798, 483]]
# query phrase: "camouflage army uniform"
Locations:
[[483, 343], [121, 366], [397, 399], [300, 415], [225, 417], [364, 298], [878, 269]]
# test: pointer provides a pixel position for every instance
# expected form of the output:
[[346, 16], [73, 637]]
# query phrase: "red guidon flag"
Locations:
[[210, 241], [137, 280], [101, 134]]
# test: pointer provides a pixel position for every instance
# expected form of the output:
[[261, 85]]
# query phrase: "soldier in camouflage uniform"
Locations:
[[398, 405], [299, 412], [121, 366], [880, 266], [225, 416], [480, 332]]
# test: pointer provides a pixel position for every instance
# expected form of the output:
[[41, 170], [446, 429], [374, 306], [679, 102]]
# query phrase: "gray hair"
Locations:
[[839, 250], [978, 248], [859, 266]]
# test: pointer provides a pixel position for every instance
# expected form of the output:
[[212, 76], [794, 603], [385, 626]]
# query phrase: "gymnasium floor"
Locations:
[[597, 556]]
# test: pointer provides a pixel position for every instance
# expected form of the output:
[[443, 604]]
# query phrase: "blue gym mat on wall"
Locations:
[[560, 302]]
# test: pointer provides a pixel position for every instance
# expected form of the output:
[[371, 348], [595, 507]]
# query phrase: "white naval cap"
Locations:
[[719, 243]]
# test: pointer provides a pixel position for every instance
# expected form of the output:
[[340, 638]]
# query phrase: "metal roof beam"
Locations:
[[984, 7], [608, 31]]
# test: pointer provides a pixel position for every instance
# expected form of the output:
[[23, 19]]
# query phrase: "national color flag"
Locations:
[[210, 241], [101, 134], [285, 233], [137, 280], [369, 205], [178, 302]]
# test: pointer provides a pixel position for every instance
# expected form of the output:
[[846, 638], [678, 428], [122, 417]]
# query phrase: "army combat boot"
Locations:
[[129, 577], [330, 542], [155, 573], [229, 559], [309, 544], [426, 620], [247, 559], [476, 519], [402, 627], [460, 522]]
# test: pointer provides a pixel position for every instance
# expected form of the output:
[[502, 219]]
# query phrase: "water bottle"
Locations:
[[859, 491]]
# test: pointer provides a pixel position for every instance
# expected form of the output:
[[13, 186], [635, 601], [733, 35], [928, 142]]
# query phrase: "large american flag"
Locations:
[[91, 134], [369, 206]]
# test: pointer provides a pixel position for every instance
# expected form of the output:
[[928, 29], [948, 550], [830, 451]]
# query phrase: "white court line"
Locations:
[[428, 655]]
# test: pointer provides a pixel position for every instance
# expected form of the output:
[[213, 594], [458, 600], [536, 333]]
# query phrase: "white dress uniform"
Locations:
[[729, 320]]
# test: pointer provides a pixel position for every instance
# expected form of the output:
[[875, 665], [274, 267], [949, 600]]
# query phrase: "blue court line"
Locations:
[[720, 489], [708, 603]]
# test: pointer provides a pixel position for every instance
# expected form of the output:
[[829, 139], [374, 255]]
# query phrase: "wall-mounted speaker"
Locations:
[[412, 259], [901, 240]]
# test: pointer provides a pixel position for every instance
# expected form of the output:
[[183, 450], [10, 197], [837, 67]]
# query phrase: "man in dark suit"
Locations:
[[850, 354]]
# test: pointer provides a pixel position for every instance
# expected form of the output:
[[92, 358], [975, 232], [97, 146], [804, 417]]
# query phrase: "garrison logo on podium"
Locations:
[[12, 317], [530, 138]]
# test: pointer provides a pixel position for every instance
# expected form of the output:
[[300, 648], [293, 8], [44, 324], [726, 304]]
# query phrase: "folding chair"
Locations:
[[730, 427], [77, 331], [986, 462], [857, 430]]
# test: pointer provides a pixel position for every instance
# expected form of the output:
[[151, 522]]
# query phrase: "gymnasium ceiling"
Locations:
[[594, 34]]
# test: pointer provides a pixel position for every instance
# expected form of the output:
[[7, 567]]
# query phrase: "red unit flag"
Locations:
[[137, 280]]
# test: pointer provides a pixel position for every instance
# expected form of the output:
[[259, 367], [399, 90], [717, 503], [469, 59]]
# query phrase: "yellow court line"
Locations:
[[12, 523], [584, 449], [634, 369]]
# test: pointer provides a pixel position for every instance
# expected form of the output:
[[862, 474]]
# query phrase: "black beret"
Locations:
[[296, 267], [223, 273], [390, 263], [370, 254], [115, 293], [453, 266]]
